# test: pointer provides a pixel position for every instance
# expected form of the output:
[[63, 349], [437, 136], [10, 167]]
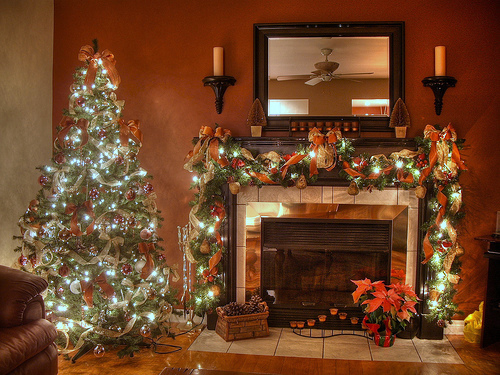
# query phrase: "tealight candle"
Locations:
[[342, 316], [293, 324], [300, 324], [321, 318], [354, 320], [334, 311], [310, 322]]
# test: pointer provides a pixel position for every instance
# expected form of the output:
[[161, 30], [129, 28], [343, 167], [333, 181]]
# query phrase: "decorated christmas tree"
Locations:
[[92, 229]]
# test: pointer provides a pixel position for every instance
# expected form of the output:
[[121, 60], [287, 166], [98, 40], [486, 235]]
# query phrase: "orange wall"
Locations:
[[164, 49]]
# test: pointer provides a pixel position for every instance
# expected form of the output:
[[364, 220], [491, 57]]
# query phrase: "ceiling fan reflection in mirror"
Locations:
[[324, 71]]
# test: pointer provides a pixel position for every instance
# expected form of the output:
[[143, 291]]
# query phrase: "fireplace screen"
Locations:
[[310, 262]]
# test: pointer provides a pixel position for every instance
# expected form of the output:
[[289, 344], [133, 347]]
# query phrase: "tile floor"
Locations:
[[283, 342]]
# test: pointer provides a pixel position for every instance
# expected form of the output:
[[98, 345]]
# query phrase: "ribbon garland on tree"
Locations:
[[217, 159]]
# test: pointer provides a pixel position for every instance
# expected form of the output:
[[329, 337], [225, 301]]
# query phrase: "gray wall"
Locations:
[[26, 40]]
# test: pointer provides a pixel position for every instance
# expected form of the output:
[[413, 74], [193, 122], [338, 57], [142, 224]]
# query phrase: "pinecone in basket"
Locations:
[[232, 309]]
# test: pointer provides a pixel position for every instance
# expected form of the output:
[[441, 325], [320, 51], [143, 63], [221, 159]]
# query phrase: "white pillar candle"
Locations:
[[218, 61], [440, 61]]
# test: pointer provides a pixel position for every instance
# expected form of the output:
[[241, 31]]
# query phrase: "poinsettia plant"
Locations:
[[391, 305]]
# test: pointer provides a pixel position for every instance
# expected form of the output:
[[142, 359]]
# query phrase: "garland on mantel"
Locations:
[[218, 159]]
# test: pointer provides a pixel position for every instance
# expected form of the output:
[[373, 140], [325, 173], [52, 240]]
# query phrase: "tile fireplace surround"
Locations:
[[326, 195], [283, 342]]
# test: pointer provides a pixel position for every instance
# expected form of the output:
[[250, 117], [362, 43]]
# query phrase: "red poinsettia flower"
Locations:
[[403, 289], [408, 305], [364, 286], [385, 298]]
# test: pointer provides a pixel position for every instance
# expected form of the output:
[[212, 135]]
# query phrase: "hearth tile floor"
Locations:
[[283, 342]]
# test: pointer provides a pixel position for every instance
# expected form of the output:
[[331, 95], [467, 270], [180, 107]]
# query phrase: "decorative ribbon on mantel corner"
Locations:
[[324, 152], [88, 54], [208, 141]]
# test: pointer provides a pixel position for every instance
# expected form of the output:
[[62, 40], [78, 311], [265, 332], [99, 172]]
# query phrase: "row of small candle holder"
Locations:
[[324, 125], [322, 319]]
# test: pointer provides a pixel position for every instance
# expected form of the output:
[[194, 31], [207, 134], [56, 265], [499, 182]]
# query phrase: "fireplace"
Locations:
[[301, 257]]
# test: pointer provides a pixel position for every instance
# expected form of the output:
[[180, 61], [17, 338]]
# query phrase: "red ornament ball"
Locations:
[[126, 269], [22, 260], [210, 278], [59, 158], [64, 270], [80, 101], [119, 160], [130, 195], [93, 250], [148, 188], [99, 351], [440, 323], [118, 219], [43, 180], [102, 134], [94, 193], [145, 234]]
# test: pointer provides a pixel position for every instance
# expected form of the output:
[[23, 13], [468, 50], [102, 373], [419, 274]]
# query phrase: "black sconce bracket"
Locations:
[[439, 85], [219, 84]]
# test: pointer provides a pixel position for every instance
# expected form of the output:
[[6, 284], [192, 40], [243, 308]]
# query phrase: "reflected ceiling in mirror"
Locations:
[[327, 74]]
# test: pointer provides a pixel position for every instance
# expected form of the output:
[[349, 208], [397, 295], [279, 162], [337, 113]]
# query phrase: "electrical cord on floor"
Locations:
[[176, 348]]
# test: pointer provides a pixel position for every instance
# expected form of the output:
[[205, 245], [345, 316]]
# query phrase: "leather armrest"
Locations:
[[20, 297]]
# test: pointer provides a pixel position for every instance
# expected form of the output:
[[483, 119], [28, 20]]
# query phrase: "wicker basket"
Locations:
[[242, 326]]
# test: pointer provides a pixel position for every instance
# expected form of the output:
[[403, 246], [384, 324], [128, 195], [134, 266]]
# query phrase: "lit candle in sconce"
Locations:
[[218, 61], [440, 61]]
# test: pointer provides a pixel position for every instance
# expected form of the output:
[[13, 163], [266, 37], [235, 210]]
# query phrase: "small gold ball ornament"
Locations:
[[301, 182], [420, 192], [205, 247], [353, 188], [234, 187]]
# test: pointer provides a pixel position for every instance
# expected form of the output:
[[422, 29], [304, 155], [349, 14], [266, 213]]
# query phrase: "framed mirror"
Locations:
[[329, 72]]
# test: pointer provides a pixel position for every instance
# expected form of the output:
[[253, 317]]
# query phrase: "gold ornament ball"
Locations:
[[301, 182], [99, 351], [145, 331], [215, 289], [205, 247], [234, 187], [353, 188], [420, 192]]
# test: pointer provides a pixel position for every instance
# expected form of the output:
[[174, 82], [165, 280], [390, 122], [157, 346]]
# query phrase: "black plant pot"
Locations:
[[410, 331], [211, 319]]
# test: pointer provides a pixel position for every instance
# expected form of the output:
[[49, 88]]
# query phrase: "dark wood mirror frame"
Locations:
[[395, 32]]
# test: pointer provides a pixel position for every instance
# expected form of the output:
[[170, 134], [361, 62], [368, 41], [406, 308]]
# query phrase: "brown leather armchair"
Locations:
[[26, 338]]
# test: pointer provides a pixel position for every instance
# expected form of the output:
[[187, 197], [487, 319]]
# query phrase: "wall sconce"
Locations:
[[219, 82], [440, 82]]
